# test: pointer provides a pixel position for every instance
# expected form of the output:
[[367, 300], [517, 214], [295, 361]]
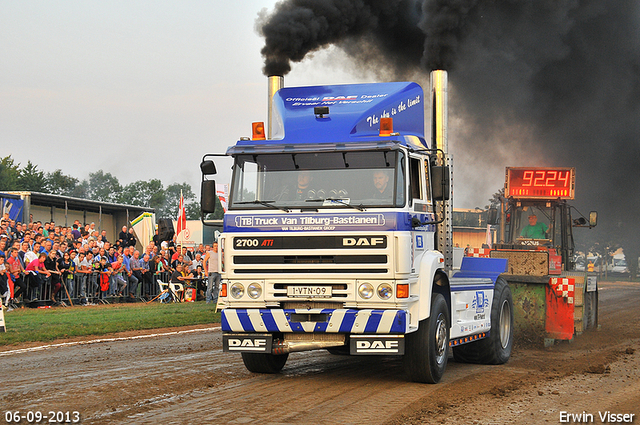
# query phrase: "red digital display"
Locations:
[[540, 183]]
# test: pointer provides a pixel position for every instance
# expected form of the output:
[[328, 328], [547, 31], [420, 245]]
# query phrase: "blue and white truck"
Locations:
[[338, 235]]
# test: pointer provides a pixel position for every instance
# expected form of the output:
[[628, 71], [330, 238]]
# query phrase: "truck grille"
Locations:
[[310, 259], [354, 255], [307, 271]]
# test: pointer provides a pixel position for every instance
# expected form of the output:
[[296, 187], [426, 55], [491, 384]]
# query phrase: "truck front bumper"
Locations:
[[347, 321]]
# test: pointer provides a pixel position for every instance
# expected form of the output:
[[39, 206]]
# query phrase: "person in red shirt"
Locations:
[[37, 271], [117, 269], [16, 272], [174, 257]]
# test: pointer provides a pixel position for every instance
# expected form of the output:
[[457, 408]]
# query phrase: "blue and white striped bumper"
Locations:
[[337, 321]]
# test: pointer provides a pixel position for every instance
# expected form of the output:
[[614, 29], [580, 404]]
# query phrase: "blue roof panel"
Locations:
[[354, 113]]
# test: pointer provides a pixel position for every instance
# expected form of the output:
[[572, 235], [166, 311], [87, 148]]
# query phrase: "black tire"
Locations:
[[496, 349], [427, 349], [590, 310], [264, 363], [586, 316], [339, 351]]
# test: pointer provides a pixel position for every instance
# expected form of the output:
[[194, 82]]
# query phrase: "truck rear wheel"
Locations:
[[427, 349], [495, 349], [264, 363]]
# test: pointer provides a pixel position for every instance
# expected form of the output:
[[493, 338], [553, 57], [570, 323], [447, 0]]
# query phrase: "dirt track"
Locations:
[[185, 378]]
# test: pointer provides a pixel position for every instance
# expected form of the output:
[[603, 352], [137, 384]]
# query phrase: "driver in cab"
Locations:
[[381, 183], [299, 191], [534, 230], [304, 181]]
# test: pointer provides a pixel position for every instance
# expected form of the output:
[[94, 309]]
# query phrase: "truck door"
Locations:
[[419, 205]]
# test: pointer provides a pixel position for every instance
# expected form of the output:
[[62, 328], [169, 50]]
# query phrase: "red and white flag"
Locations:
[[222, 190], [182, 216]]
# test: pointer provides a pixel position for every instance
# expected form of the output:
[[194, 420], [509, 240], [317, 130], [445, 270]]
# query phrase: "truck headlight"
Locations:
[[385, 291], [254, 290], [237, 290], [365, 290]]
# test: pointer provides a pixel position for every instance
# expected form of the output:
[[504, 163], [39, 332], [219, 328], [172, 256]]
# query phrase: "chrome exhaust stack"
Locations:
[[439, 111], [276, 82], [440, 140]]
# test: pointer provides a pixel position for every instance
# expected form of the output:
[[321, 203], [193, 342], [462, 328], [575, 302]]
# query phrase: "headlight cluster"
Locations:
[[366, 291], [254, 290], [237, 290]]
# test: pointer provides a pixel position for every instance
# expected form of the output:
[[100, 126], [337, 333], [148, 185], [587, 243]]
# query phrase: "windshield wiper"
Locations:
[[264, 203], [340, 201]]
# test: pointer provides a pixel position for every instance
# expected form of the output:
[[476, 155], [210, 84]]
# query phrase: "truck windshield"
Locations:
[[319, 180], [533, 225]]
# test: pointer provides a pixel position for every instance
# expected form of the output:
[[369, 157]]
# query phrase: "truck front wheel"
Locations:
[[427, 349], [264, 363], [496, 349]]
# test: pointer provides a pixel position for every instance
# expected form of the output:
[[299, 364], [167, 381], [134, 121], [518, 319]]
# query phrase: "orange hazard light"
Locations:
[[386, 126], [258, 131], [223, 290], [402, 290]]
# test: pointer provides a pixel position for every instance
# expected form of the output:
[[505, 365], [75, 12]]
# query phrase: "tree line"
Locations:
[[104, 187]]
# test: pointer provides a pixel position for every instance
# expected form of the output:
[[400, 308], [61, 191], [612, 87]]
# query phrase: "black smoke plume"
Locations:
[[299, 27], [533, 82]]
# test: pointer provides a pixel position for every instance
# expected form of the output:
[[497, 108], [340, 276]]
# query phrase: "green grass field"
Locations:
[[29, 325]]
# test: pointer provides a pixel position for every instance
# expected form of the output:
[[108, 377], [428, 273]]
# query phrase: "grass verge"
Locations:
[[30, 325]]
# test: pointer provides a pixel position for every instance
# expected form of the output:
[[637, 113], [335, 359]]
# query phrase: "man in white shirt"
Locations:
[[196, 262], [211, 269], [31, 255], [83, 270]]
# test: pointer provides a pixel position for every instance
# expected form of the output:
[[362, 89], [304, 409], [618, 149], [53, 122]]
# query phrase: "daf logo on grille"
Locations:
[[366, 241]]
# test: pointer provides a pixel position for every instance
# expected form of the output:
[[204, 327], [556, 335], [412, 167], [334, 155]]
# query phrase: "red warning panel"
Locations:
[[560, 295]]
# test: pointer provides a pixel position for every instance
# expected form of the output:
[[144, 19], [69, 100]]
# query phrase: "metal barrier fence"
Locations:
[[85, 288]]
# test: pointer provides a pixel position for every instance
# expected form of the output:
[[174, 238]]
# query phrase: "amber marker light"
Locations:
[[402, 290], [223, 290], [258, 131], [386, 126]]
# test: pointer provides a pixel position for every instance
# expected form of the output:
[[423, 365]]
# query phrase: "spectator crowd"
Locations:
[[52, 263]]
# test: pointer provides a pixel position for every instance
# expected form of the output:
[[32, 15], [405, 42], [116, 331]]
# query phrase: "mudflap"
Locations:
[[560, 296], [381, 345], [247, 343]]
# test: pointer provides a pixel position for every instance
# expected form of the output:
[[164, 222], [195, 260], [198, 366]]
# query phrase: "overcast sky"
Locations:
[[139, 89]]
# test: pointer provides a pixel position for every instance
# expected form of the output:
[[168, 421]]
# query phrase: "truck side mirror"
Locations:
[[440, 183], [208, 196], [208, 167], [593, 218], [492, 216], [207, 187]]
